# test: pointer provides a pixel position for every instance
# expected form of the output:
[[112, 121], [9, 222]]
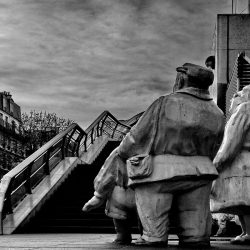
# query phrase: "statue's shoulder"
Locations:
[[170, 98], [243, 108]]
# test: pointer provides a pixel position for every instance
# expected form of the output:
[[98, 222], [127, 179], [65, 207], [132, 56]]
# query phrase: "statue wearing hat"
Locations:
[[169, 156]]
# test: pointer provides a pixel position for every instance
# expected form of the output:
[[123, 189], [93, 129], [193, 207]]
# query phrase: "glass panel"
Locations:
[[55, 159], [19, 179], [18, 195], [37, 177], [38, 163]]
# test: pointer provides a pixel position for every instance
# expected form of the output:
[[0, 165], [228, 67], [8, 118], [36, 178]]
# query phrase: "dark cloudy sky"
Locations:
[[78, 58]]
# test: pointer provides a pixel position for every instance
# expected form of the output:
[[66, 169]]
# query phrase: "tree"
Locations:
[[40, 127]]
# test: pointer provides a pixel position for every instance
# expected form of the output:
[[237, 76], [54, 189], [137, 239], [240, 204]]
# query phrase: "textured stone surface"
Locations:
[[88, 241]]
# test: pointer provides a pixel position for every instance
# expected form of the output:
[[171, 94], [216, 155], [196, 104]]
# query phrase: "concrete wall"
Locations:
[[233, 37]]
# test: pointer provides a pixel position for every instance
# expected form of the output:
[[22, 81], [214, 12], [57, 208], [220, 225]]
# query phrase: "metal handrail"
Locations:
[[43, 149], [104, 121], [20, 181], [73, 141], [100, 117]]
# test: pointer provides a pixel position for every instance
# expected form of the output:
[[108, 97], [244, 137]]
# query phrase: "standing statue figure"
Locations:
[[111, 186], [181, 133], [168, 154], [231, 191]]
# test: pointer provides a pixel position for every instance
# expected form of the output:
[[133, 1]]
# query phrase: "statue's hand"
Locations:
[[93, 203], [134, 161]]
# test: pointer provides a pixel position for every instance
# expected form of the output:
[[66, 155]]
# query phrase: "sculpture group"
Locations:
[[166, 162]]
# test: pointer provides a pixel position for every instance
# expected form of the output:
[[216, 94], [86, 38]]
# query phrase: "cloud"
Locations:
[[77, 58]]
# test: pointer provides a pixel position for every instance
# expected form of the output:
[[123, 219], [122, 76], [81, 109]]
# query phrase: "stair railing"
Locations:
[[105, 125], [72, 142], [22, 179]]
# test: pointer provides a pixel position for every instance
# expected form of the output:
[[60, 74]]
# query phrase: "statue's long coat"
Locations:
[[231, 191]]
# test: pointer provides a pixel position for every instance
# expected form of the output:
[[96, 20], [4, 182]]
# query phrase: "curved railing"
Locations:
[[72, 142], [104, 125], [22, 179]]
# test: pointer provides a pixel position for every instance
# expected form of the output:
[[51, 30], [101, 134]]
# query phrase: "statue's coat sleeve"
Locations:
[[113, 172]]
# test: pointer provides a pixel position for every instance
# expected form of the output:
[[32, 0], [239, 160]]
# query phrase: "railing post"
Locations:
[[63, 147], [70, 136], [91, 136], [28, 183], [85, 143], [9, 209], [101, 127], [77, 145], [46, 165], [112, 136], [97, 129], [103, 121]]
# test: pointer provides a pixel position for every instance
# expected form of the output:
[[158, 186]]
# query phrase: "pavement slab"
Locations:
[[93, 241]]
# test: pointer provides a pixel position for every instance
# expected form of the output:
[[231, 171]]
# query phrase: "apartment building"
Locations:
[[11, 136]]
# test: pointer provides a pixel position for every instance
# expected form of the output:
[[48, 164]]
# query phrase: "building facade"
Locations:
[[233, 52], [11, 136]]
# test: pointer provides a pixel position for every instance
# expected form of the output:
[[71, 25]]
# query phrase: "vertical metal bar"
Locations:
[[8, 202], [103, 121], [101, 127], [70, 136], [28, 183], [46, 165], [97, 129], [91, 136], [112, 136], [77, 145], [85, 143], [63, 147], [9, 209]]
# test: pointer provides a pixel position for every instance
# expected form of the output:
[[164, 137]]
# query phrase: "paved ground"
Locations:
[[90, 242]]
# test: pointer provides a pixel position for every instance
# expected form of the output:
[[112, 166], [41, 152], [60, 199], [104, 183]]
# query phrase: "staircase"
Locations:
[[62, 213], [45, 193]]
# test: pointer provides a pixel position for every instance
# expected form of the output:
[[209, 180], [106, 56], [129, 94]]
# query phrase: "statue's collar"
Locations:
[[199, 93]]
